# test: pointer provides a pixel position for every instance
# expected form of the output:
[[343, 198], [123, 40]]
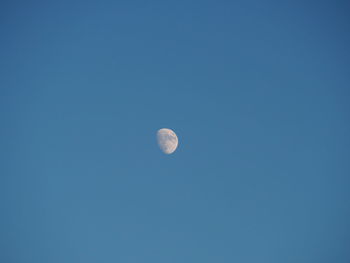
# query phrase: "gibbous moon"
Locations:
[[167, 140]]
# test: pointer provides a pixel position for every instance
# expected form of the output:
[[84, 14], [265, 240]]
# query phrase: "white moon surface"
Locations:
[[167, 140]]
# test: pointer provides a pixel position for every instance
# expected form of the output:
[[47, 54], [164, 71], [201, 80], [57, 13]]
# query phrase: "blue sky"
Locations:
[[257, 92]]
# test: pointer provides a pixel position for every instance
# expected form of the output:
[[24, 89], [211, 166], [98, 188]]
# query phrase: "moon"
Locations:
[[167, 140]]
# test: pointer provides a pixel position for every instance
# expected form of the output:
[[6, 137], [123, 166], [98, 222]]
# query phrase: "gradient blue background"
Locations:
[[257, 91]]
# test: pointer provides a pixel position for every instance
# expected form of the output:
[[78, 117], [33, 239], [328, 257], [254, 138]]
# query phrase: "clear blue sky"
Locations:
[[257, 91]]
